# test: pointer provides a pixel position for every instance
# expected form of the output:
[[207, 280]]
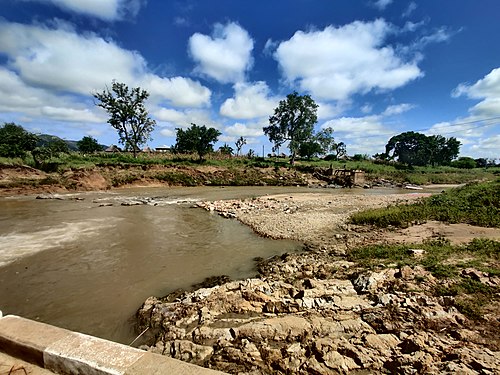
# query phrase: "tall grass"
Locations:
[[475, 203]]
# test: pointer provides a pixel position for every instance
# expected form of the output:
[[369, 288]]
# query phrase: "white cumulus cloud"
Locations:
[[225, 55], [180, 91], [60, 59], [184, 118], [338, 62], [368, 134], [249, 101], [487, 90], [51, 72], [104, 9], [252, 129]]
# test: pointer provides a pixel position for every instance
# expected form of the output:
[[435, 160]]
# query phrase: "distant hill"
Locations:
[[46, 139]]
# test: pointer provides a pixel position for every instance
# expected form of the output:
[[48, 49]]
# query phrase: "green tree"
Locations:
[[328, 145], [15, 141], [58, 146], [293, 121], [418, 149], [309, 149], [128, 115], [199, 139], [464, 162], [88, 145], [239, 144], [226, 149]]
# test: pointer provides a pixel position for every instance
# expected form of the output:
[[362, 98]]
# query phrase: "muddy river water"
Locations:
[[87, 261]]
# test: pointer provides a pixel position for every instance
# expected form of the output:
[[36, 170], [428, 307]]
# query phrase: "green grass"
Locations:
[[440, 258], [445, 262], [476, 204]]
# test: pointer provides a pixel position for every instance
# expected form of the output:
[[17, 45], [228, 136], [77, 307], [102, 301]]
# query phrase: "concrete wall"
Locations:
[[65, 352]]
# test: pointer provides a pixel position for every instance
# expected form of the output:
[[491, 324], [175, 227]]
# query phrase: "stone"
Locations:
[[187, 351], [337, 361]]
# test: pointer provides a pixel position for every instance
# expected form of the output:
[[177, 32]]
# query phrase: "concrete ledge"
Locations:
[[66, 352]]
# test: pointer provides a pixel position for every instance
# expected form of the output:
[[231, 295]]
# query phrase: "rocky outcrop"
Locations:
[[297, 322], [316, 312]]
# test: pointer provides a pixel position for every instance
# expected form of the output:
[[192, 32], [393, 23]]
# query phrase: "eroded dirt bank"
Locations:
[[17, 180], [316, 312]]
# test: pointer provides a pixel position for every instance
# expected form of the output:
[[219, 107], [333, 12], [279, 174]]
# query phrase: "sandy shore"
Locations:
[[319, 219]]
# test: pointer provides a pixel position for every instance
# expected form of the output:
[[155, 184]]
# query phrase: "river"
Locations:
[[86, 262]]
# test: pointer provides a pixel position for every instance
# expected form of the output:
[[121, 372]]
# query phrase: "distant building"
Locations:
[[113, 148], [163, 149]]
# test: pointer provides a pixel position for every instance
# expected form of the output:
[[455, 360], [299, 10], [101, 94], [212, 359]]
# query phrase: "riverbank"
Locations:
[[77, 174], [322, 311]]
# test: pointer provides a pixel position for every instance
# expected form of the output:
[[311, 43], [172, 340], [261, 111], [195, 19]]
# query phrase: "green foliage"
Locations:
[[58, 146], [308, 149], [88, 145], [361, 157], [293, 121], [477, 204], [226, 149], [464, 163], [418, 149], [199, 139], [128, 115], [15, 141], [470, 296], [440, 258]]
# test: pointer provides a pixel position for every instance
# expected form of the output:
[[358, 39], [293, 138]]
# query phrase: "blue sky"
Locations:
[[376, 68]]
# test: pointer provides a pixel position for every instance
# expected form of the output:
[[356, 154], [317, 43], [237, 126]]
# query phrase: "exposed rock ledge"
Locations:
[[315, 313]]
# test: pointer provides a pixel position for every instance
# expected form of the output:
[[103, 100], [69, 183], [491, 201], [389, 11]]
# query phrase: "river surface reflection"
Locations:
[[87, 264]]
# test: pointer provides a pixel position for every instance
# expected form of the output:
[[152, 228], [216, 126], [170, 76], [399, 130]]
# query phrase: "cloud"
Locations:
[[52, 72], [363, 135], [382, 4], [487, 90], [253, 129], [225, 56], [397, 109], [487, 147], [411, 8], [183, 118], [249, 101], [368, 134], [107, 10], [17, 97], [70, 114], [336, 63], [180, 91], [59, 59], [357, 126]]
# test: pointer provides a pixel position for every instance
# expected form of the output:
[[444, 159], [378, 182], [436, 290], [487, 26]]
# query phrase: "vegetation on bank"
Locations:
[[475, 203], [449, 264], [375, 171]]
